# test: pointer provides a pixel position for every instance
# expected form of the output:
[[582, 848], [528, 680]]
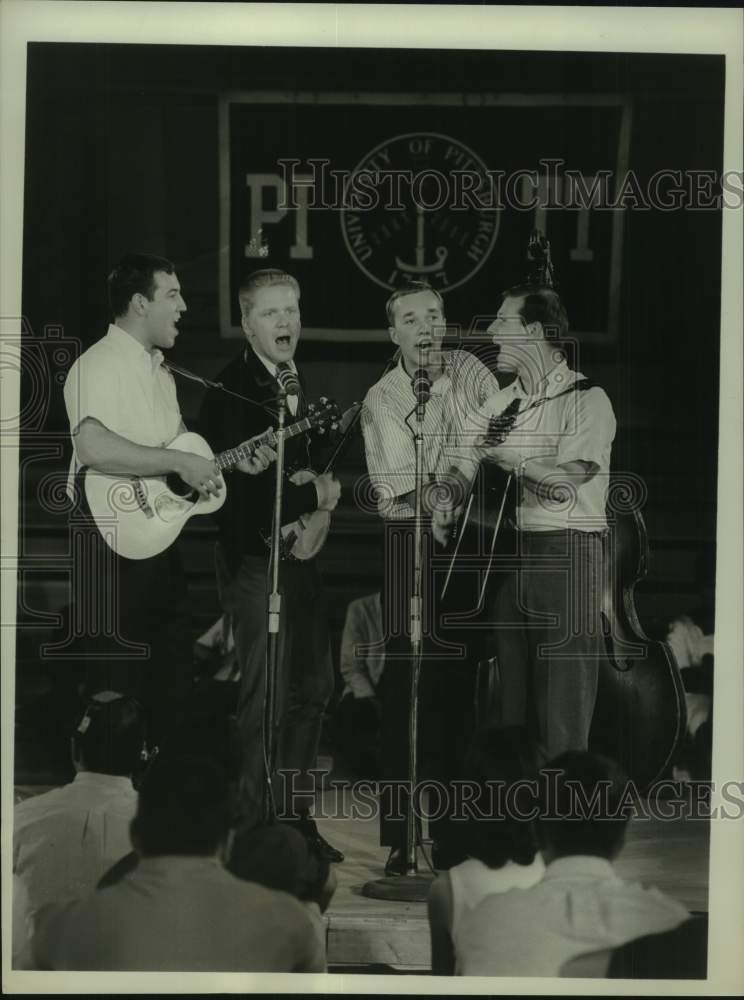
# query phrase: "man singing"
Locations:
[[123, 412], [270, 310], [548, 635], [460, 384]]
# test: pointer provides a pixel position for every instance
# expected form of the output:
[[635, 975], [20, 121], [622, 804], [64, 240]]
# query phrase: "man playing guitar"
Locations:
[[123, 412], [269, 303], [557, 454]]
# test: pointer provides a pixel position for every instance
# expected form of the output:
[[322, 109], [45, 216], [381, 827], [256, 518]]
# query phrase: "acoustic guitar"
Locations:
[[140, 516]]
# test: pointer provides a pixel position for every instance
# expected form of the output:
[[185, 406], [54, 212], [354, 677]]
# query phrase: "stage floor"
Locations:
[[670, 854]]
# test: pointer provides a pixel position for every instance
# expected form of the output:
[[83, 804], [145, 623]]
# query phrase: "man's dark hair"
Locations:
[[135, 273], [183, 807], [542, 305], [582, 805], [498, 828], [109, 736]]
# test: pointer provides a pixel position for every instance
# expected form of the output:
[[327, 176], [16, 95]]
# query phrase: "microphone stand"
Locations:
[[413, 886], [420, 883], [275, 607]]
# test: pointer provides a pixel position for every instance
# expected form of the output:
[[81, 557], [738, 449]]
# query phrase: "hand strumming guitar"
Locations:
[[455, 487], [201, 474]]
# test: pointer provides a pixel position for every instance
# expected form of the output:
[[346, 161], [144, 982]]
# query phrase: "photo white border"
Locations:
[[610, 29]]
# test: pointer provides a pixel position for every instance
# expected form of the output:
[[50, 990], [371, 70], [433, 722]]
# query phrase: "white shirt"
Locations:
[[64, 840], [181, 914], [126, 389], [361, 667], [580, 905], [566, 427], [472, 880], [463, 387]]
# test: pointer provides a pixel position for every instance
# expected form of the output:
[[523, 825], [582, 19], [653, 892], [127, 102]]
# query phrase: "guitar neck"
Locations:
[[347, 436], [227, 460]]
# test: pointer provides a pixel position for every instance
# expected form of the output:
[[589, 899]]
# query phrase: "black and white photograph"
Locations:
[[372, 497]]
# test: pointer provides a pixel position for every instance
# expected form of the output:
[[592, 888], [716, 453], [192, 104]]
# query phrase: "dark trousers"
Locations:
[[303, 683], [549, 640], [356, 735], [446, 692], [133, 623]]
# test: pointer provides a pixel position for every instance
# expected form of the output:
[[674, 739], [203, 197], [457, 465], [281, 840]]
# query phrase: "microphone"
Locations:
[[287, 379], [421, 385]]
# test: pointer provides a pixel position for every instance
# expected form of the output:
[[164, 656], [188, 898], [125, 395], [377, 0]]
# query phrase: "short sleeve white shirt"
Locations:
[[558, 426], [124, 387]]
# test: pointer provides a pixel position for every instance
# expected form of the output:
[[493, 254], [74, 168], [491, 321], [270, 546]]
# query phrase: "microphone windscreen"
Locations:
[[287, 379], [421, 384]]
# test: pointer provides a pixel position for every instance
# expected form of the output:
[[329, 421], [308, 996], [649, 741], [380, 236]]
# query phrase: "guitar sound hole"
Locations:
[[180, 488]]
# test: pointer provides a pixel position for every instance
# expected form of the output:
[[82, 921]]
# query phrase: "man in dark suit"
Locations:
[[269, 303]]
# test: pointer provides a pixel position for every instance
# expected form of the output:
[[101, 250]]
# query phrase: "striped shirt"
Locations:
[[388, 424]]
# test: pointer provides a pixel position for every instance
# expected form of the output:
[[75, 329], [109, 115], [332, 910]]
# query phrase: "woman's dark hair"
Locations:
[[583, 807], [501, 771]]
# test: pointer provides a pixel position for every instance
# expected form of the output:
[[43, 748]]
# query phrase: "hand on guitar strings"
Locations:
[[261, 458]]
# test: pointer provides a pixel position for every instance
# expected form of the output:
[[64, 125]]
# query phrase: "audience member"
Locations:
[[65, 839], [180, 909], [356, 725], [501, 847], [214, 653], [580, 905], [206, 730], [690, 638], [279, 857]]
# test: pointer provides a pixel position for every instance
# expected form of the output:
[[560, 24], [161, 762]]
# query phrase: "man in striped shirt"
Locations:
[[460, 385]]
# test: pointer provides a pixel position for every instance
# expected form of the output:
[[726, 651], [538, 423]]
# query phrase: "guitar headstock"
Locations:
[[324, 415], [541, 264]]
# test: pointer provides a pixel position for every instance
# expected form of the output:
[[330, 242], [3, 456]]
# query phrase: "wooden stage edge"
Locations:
[[670, 854]]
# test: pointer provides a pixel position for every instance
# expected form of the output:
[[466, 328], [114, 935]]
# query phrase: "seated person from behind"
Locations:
[[501, 847], [207, 730], [580, 905], [180, 909], [356, 725], [65, 839], [279, 857]]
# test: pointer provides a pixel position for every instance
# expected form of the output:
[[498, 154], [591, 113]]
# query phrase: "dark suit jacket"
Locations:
[[226, 422]]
